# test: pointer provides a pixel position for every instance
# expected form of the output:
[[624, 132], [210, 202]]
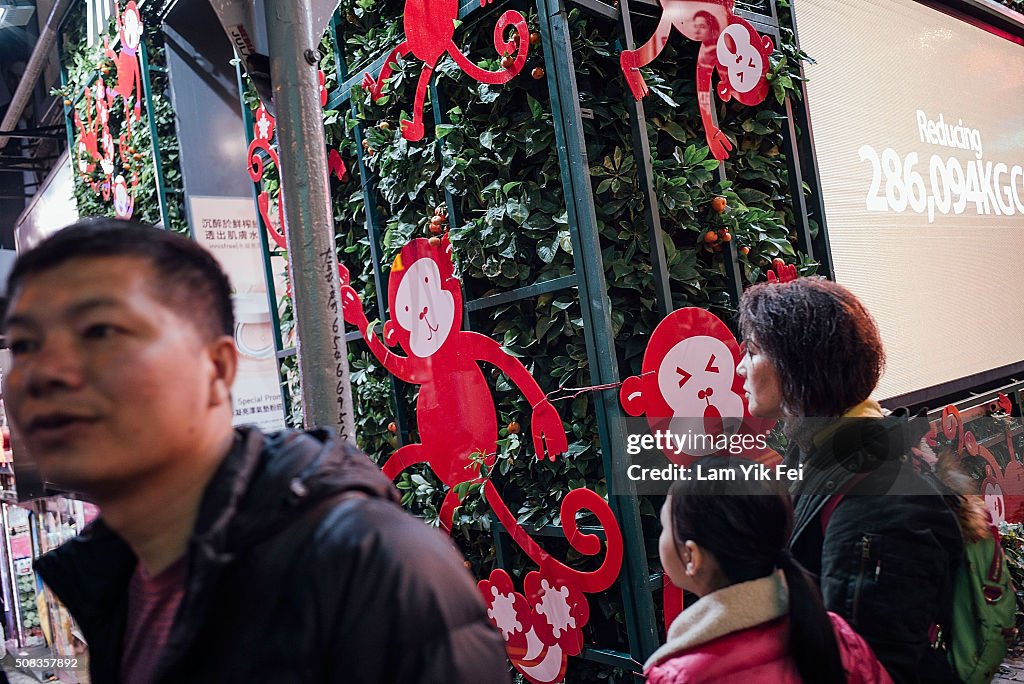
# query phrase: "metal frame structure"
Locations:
[[636, 582]]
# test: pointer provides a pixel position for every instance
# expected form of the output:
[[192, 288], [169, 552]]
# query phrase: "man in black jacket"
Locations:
[[221, 555]]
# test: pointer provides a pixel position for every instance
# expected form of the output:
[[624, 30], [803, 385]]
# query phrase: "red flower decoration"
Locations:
[[562, 611], [507, 610]]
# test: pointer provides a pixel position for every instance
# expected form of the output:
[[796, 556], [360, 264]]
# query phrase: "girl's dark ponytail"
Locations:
[[746, 525], [812, 638]]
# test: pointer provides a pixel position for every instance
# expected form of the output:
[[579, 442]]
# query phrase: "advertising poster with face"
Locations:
[[918, 135], [227, 226]]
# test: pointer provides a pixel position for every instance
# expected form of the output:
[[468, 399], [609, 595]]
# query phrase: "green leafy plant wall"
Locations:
[[492, 159], [83, 64]]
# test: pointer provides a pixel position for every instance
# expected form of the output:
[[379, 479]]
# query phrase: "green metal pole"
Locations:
[[641, 625], [265, 252], [154, 136], [309, 221]]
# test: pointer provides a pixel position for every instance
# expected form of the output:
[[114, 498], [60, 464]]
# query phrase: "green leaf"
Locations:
[[547, 249], [535, 107]]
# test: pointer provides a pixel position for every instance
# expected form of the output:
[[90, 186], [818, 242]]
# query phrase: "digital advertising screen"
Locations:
[[918, 126]]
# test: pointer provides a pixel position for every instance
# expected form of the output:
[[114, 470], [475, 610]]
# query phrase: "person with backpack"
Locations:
[[759, 617], [881, 538]]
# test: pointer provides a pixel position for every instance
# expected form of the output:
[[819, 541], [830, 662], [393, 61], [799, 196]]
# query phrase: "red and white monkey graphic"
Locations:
[[126, 60], [88, 143], [689, 385], [728, 43], [455, 410], [429, 29]]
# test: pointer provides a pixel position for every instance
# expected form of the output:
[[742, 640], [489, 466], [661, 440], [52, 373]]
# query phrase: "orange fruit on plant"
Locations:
[[538, 73], [435, 228], [535, 38], [434, 241], [744, 251], [392, 428], [513, 428], [726, 236], [507, 62], [719, 203], [710, 236]]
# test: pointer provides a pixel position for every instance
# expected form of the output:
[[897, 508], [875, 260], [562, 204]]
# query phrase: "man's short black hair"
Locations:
[[188, 278]]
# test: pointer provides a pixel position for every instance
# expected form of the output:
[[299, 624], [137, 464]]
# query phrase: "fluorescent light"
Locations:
[[3, 11]]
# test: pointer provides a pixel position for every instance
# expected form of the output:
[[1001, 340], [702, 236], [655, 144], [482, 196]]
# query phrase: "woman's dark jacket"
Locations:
[[892, 545], [302, 568]]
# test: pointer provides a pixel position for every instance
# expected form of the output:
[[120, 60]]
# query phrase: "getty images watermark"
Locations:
[[660, 452], [650, 465]]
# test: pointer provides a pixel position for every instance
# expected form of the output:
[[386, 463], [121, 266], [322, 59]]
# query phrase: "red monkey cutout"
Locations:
[[727, 42], [88, 145], [455, 410], [429, 28], [689, 385], [129, 76], [263, 133], [1003, 490], [457, 420]]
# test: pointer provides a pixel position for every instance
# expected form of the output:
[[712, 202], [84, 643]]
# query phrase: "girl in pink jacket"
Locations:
[[759, 618]]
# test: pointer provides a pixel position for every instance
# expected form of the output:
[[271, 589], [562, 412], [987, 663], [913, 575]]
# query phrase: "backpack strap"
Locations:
[[835, 499], [994, 591]]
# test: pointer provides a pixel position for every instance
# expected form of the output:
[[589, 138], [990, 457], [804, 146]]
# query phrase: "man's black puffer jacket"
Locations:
[[892, 545], [302, 568]]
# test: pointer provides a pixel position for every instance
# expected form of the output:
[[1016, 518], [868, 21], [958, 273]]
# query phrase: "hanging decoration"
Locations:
[[117, 157], [458, 432], [106, 140], [262, 145], [689, 384], [88, 144], [728, 44], [429, 29], [1002, 488], [126, 61], [262, 134]]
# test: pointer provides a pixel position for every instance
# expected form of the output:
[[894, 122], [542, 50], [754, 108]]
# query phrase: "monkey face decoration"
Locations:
[[689, 384], [424, 308], [430, 29], [728, 45]]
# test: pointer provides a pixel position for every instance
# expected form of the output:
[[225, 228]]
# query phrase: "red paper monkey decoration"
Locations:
[[689, 385], [263, 133], [126, 60], [88, 145], [263, 136], [1003, 489], [429, 29], [106, 141], [457, 420], [728, 43]]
